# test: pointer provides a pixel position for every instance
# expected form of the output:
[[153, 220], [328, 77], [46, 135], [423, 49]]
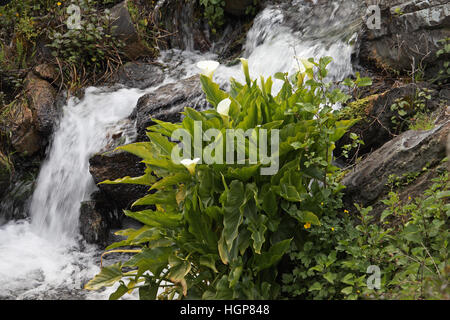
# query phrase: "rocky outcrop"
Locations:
[[124, 29], [41, 97], [25, 137], [412, 152], [376, 126], [167, 102], [408, 38], [33, 118]]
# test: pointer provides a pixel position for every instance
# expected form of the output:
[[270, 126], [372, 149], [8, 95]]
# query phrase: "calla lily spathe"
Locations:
[[224, 107], [208, 67], [190, 164]]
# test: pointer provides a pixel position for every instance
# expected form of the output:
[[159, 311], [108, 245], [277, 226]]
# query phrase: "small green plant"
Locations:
[[412, 113], [91, 47]]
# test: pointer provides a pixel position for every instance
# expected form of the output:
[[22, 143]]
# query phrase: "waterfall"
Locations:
[[43, 257]]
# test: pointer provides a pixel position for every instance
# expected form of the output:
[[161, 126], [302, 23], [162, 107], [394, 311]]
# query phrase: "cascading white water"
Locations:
[[44, 258], [64, 180]]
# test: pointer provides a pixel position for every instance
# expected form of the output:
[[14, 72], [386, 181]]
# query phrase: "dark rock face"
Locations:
[[408, 153], [124, 29], [114, 165], [140, 75], [167, 102], [93, 226], [376, 126], [409, 35]]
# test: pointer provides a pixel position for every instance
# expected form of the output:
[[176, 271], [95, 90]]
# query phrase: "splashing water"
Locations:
[[44, 257]]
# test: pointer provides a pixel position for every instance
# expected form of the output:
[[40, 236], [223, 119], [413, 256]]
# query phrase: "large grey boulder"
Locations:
[[408, 38], [408, 153]]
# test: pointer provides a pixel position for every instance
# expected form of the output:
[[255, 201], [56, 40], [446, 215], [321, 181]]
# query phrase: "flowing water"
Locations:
[[44, 257]]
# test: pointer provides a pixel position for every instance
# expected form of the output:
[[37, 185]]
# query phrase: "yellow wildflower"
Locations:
[[332, 228], [58, 4], [345, 211], [307, 225]]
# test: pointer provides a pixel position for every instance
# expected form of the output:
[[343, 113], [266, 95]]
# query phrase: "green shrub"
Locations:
[[219, 231], [409, 243]]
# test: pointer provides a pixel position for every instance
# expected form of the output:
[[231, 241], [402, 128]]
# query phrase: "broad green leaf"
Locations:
[[156, 218], [233, 216], [270, 258], [178, 268], [106, 278], [213, 93], [315, 287], [141, 149]]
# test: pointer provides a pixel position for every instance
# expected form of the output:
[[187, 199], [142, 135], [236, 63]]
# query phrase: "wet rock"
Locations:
[[408, 37], [114, 165], [41, 97], [140, 75], [93, 226], [409, 153], [125, 30], [167, 102], [15, 202]]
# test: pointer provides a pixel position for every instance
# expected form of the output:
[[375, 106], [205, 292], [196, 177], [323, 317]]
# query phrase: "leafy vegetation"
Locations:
[[409, 243], [219, 231]]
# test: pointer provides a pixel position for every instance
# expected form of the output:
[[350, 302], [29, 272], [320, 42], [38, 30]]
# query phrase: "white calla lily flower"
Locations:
[[208, 67], [190, 164], [224, 107]]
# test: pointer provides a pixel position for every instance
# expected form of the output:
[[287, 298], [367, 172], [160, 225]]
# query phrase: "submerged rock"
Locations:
[[140, 75], [93, 226]]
